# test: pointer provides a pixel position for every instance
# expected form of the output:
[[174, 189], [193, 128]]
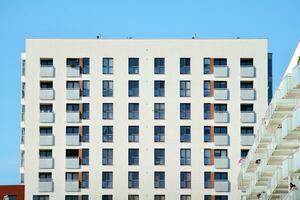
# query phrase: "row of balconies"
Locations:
[[47, 185], [71, 140], [219, 94], [219, 117], [219, 71]]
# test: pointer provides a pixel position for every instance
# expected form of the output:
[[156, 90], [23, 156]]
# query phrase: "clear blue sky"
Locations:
[[277, 20]]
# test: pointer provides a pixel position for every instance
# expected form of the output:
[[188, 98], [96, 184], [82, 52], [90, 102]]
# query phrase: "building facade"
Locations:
[[271, 169], [12, 192], [139, 118]]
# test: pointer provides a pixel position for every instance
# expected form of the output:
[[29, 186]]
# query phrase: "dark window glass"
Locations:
[[159, 65], [133, 65], [185, 134], [185, 65], [107, 134], [159, 133], [206, 66]]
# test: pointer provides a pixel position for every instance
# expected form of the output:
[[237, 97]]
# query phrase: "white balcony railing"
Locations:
[[73, 117], [72, 186], [221, 139], [73, 71], [72, 140], [248, 117], [46, 94], [247, 71], [221, 116], [46, 185], [222, 162], [46, 163], [73, 94], [72, 163], [222, 186], [221, 71], [46, 140], [47, 71], [46, 117], [248, 94], [221, 94]]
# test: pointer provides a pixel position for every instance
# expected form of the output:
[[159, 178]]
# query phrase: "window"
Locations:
[[133, 156], [85, 157], [133, 65], [221, 197], [86, 88], [220, 84], [107, 133], [107, 111], [71, 176], [185, 156], [207, 157], [85, 134], [107, 65], [208, 182], [73, 62], [40, 197], [85, 111], [45, 130], [84, 197], [86, 66], [207, 89], [207, 135], [185, 65], [159, 65], [159, 88], [45, 153], [133, 111], [133, 88], [107, 197], [107, 156], [133, 197], [45, 85], [23, 65], [23, 113], [221, 176], [133, 179], [46, 62], [23, 136], [85, 180], [246, 107], [71, 85], [207, 111], [23, 90], [220, 153], [44, 108], [159, 179], [185, 88], [220, 130], [185, 197], [133, 133], [246, 62], [45, 176], [159, 111], [159, 133], [72, 153], [245, 130], [71, 197], [185, 134], [244, 153], [107, 88], [107, 180], [206, 66], [159, 156], [220, 62], [185, 180], [246, 84], [185, 111], [220, 107], [159, 197], [72, 107]]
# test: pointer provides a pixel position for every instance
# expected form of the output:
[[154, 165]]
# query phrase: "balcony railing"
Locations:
[[221, 94], [73, 94], [47, 71], [46, 163], [46, 94], [72, 186], [247, 71], [46, 117], [73, 117], [221, 139], [72, 163], [221, 116], [248, 94], [46, 140], [221, 71], [45, 185]]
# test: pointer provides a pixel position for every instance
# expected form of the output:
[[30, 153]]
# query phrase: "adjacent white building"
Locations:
[[271, 169], [147, 119]]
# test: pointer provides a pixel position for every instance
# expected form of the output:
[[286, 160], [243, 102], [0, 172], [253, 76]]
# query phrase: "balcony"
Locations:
[[221, 71], [296, 77], [221, 94], [248, 94], [221, 117], [221, 162], [46, 140], [47, 71], [73, 94], [45, 185], [289, 88], [221, 139], [296, 119], [46, 94], [247, 140], [73, 71], [46, 117], [248, 117], [72, 163], [72, 186], [73, 117], [247, 71], [222, 186], [46, 163], [72, 140]]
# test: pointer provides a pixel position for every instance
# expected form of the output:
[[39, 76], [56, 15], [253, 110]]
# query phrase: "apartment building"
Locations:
[[140, 119], [271, 169]]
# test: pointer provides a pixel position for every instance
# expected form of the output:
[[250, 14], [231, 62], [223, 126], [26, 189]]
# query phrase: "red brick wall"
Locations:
[[17, 190]]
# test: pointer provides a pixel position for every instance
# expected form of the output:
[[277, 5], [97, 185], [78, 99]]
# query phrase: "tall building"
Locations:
[[143, 119], [271, 169]]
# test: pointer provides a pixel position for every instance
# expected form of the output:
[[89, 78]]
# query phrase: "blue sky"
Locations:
[[277, 20]]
